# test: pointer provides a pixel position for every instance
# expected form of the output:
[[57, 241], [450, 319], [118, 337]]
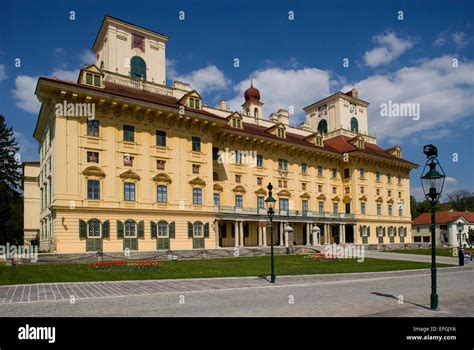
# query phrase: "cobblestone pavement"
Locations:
[[411, 257], [30, 293]]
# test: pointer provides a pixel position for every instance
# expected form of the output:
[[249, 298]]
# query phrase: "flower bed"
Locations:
[[125, 265], [322, 257]]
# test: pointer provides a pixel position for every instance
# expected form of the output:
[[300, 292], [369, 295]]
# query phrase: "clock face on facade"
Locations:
[[322, 111], [353, 108]]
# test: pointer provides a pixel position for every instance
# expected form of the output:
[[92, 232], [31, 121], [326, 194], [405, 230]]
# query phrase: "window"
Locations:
[[304, 168], [304, 207], [89, 78], [347, 190], [196, 144], [348, 208], [280, 183], [400, 211], [196, 168], [194, 102], [362, 207], [215, 153], [323, 126], [238, 178], [161, 138], [320, 170], [138, 68], [162, 194], [361, 173], [198, 230], [389, 193], [321, 207], [390, 210], [281, 132], [282, 164], [283, 203], [162, 229], [92, 157], [96, 80], [197, 196], [217, 199], [335, 208], [362, 189], [354, 124], [399, 195], [346, 173], [320, 188], [303, 186], [260, 202], [129, 191], [379, 209], [259, 160], [129, 133], [377, 175], [93, 128], [334, 190], [239, 201], [93, 189], [259, 181], [334, 173], [160, 164], [238, 157], [377, 191], [285, 184], [130, 229], [399, 180], [215, 177], [94, 229], [418, 229], [236, 123], [128, 160]]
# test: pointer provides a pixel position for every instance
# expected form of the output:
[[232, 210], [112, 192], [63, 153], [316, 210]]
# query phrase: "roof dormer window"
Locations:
[[281, 133], [93, 79], [91, 75], [194, 103], [236, 123]]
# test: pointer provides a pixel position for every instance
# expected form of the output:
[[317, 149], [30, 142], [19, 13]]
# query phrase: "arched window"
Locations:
[[255, 112], [138, 67], [198, 229], [130, 229], [162, 229], [323, 126], [93, 228], [354, 124]]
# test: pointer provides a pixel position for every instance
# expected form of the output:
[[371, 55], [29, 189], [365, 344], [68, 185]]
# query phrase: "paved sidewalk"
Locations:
[[411, 257], [85, 290]]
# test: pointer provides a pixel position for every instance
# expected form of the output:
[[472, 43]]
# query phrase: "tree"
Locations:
[[461, 200], [11, 201]]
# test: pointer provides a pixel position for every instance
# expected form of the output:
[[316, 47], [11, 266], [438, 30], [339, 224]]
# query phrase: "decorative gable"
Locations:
[[91, 75], [315, 138], [278, 130], [395, 151], [235, 120], [192, 100], [358, 141]]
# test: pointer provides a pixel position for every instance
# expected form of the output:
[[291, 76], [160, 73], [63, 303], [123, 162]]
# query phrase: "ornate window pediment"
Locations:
[[197, 181], [336, 199], [218, 188], [129, 175], [379, 200], [322, 197], [363, 198], [346, 198], [284, 193], [305, 195], [239, 189], [261, 191], [93, 171], [162, 177]]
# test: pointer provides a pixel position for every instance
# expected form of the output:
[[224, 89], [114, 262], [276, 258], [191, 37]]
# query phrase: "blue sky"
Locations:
[[293, 62]]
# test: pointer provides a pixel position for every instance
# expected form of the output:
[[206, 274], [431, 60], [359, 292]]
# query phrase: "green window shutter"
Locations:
[[119, 229], [141, 230], [106, 229], [384, 231], [190, 229], [206, 230], [172, 230], [368, 231], [82, 229], [153, 229]]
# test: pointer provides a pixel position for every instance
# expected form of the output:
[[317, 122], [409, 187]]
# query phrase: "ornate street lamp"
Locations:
[[461, 248], [432, 180], [270, 204]]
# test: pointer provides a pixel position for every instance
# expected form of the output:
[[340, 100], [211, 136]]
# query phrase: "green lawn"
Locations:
[[225, 267], [424, 251]]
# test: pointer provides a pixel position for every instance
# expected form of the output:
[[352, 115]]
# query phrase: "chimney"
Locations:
[[222, 105], [354, 93]]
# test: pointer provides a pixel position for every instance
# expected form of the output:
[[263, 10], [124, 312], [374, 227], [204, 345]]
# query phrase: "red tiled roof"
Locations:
[[443, 217]]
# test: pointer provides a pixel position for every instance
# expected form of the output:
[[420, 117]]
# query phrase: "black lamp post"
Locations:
[[270, 203], [461, 248], [432, 180]]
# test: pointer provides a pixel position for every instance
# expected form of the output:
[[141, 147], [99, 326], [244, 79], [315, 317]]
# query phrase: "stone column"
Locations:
[[241, 233], [282, 242], [259, 235], [217, 234], [308, 229], [264, 235], [236, 234], [343, 234], [285, 235], [328, 234]]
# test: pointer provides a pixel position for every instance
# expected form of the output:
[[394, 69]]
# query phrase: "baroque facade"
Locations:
[[128, 162]]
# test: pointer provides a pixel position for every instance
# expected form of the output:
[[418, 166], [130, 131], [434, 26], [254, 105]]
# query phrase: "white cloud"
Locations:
[[64, 74], [459, 39], [24, 93], [203, 80], [281, 88], [3, 73], [390, 47], [171, 69], [87, 57], [28, 149], [443, 92]]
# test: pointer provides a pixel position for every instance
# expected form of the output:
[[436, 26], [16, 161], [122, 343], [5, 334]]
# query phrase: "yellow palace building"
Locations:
[[129, 163]]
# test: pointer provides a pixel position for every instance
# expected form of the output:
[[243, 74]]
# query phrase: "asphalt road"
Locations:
[[338, 295]]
